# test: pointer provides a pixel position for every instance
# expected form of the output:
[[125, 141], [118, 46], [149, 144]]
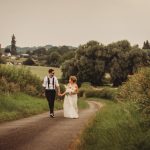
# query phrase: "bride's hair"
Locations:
[[73, 78]]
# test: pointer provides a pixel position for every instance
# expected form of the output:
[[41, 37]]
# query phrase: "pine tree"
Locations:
[[13, 46], [146, 45]]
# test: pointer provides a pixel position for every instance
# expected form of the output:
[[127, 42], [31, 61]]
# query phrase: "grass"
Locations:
[[41, 71], [20, 105], [115, 127], [82, 103]]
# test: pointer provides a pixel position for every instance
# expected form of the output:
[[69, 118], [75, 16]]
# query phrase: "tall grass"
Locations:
[[116, 127], [12, 77], [20, 105], [42, 71]]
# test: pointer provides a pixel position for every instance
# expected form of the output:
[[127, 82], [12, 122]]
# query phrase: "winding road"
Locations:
[[43, 133]]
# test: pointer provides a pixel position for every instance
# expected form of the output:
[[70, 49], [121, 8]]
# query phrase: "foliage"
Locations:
[[116, 127], [54, 59], [137, 90], [106, 93], [93, 60], [146, 45], [29, 62], [20, 78], [2, 60], [13, 45], [88, 91], [20, 105]]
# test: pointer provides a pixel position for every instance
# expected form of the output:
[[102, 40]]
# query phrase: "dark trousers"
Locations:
[[50, 95]]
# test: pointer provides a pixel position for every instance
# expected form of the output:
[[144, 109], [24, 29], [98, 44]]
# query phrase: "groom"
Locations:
[[50, 85]]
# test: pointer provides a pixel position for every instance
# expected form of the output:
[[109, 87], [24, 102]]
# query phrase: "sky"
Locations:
[[73, 22]]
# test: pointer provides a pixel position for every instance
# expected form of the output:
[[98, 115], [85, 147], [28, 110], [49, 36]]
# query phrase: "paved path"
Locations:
[[43, 133]]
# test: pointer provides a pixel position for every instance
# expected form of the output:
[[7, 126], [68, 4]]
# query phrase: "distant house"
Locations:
[[13, 57], [8, 54], [25, 55]]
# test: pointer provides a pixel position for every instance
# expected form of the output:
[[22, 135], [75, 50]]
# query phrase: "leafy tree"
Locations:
[[68, 55], [86, 65], [7, 50], [92, 60], [54, 59], [29, 62], [39, 52]]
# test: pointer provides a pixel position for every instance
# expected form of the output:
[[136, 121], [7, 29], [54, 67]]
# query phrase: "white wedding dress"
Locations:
[[70, 103]]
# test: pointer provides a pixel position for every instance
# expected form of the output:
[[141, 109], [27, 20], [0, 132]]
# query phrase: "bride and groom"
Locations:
[[50, 85]]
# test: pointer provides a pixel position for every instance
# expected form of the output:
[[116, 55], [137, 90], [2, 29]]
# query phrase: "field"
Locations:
[[20, 105], [41, 71], [115, 127]]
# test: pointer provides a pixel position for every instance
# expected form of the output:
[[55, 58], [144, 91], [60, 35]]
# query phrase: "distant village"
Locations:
[[47, 55], [10, 54]]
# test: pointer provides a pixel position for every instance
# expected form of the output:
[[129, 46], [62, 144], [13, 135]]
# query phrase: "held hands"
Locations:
[[65, 93]]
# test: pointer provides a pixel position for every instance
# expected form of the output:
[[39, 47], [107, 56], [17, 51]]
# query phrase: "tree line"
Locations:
[[93, 60]]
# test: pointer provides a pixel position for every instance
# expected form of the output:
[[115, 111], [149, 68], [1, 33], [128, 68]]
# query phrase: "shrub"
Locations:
[[4, 87], [29, 62], [105, 93], [85, 86], [19, 79], [137, 90]]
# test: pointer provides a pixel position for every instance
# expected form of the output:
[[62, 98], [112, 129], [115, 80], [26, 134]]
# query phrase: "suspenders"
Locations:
[[49, 82]]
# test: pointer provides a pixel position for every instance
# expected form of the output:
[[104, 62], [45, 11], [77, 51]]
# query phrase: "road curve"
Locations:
[[43, 133]]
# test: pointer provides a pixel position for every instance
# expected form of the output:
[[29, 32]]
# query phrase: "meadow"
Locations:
[[18, 99], [42, 71], [115, 127], [21, 105]]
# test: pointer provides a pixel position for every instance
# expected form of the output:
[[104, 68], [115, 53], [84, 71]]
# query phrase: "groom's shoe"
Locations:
[[52, 116]]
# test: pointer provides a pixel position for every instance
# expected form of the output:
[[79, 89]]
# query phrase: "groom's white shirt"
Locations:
[[50, 87]]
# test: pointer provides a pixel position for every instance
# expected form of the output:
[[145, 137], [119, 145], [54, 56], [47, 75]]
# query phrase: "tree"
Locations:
[[54, 59], [13, 46], [7, 50], [86, 65], [29, 62], [146, 45], [92, 60]]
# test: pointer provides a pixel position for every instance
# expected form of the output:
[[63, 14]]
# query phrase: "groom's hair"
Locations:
[[50, 70]]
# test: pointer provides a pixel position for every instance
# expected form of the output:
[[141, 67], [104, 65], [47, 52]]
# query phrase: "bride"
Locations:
[[70, 100]]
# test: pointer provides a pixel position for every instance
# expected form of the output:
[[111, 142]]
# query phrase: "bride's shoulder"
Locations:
[[75, 85]]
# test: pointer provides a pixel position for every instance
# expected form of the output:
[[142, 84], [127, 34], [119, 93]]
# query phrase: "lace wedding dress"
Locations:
[[70, 103]]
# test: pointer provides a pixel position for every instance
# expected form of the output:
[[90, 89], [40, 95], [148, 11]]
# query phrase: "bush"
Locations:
[[116, 127], [85, 86], [88, 91], [29, 62], [137, 90], [18, 79], [106, 93]]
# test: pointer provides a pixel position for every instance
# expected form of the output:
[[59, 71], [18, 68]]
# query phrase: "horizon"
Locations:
[[73, 23], [140, 46]]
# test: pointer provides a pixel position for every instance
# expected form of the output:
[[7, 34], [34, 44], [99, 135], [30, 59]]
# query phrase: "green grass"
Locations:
[[116, 127], [82, 103], [20, 105], [41, 71]]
